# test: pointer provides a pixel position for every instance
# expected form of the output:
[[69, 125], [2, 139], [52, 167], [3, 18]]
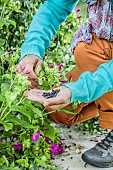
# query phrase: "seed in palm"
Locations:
[[51, 94]]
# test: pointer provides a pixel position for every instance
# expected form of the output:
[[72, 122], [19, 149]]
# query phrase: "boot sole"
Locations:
[[100, 165]]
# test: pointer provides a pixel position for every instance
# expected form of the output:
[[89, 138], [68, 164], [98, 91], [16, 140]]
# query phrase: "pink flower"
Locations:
[[70, 77], [59, 67], [35, 136], [45, 128], [47, 139], [54, 148], [79, 16], [5, 62], [17, 146], [77, 10], [63, 81], [9, 52], [51, 66], [94, 140], [60, 150], [61, 75]]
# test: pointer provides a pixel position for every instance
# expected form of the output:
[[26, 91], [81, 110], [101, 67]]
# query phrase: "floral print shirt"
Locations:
[[100, 22]]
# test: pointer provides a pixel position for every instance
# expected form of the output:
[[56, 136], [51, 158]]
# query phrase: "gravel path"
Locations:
[[76, 142]]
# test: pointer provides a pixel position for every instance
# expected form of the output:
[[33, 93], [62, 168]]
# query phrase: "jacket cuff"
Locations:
[[77, 91], [30, 50]]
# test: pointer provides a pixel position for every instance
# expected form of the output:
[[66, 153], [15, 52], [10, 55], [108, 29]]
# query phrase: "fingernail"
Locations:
[[46, 104], [27, 72], [23, 68]]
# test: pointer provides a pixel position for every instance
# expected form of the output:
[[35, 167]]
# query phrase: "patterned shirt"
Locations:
[[100, 21]]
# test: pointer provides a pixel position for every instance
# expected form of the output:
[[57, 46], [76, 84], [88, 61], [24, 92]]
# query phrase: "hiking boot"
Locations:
[[102, 154]]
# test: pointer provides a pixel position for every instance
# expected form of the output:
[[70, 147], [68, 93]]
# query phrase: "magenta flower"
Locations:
[[77, 10], [70, 77], [54, 148], [5, 62], [47, 139], [9, 52], [45, 128], [51, 66], [17, 146], [79, 16], [94, 140], [60, 150], [59, 67], [35, 136], [61, 75], [63, 81]]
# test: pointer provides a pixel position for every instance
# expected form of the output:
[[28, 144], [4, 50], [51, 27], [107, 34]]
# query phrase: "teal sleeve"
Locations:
[[90, 86], [44, 26]]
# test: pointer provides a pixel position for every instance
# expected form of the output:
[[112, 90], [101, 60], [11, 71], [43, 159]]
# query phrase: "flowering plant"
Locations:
[[27, 138]]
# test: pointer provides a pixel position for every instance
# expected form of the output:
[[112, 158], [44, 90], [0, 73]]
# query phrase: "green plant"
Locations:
[[24, 126], [27, 137]]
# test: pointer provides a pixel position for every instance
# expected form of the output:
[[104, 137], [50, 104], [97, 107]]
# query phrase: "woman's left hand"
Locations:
[[61, 100]]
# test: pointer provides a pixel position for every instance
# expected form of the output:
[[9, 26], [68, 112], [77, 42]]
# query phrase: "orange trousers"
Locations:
[[88, 57]]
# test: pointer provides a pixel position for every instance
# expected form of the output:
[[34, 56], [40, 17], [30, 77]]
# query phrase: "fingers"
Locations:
[[54, 101], [36, 96], [29, 70], [39, 64], [34, 91], [28, 65], [61, 100]]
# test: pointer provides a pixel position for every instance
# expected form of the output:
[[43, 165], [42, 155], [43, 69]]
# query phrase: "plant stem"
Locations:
[[2, 13], [50, 112], [6, 115], [21, 100], [2, 106], [4, 110]]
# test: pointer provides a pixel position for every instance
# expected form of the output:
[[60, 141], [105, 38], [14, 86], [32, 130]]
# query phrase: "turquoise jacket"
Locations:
[[44, 26]]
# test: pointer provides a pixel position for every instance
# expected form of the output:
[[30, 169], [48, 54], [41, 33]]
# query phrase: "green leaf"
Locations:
[[7, 162], [17, 121], [75, 104], [2, 42], [41, 163], [21, 161], [37, 111], [22, 110], [4, 87], [8, 126], [34, 166], [10, 97], [49, 133], [1, 22], [12, 23], [2, 98], [68, 111]]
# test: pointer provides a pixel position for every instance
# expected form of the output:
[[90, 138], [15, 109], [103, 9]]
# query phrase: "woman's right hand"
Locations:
[[28, 65]]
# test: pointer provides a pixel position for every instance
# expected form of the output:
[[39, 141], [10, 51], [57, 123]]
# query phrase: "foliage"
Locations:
[[27, 137], [24, 126]]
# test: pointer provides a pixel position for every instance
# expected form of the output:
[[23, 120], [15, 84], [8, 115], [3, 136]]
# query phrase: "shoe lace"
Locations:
[[106, 143]]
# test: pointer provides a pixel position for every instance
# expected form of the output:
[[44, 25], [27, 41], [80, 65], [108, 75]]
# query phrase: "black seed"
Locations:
[[51, 94]]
